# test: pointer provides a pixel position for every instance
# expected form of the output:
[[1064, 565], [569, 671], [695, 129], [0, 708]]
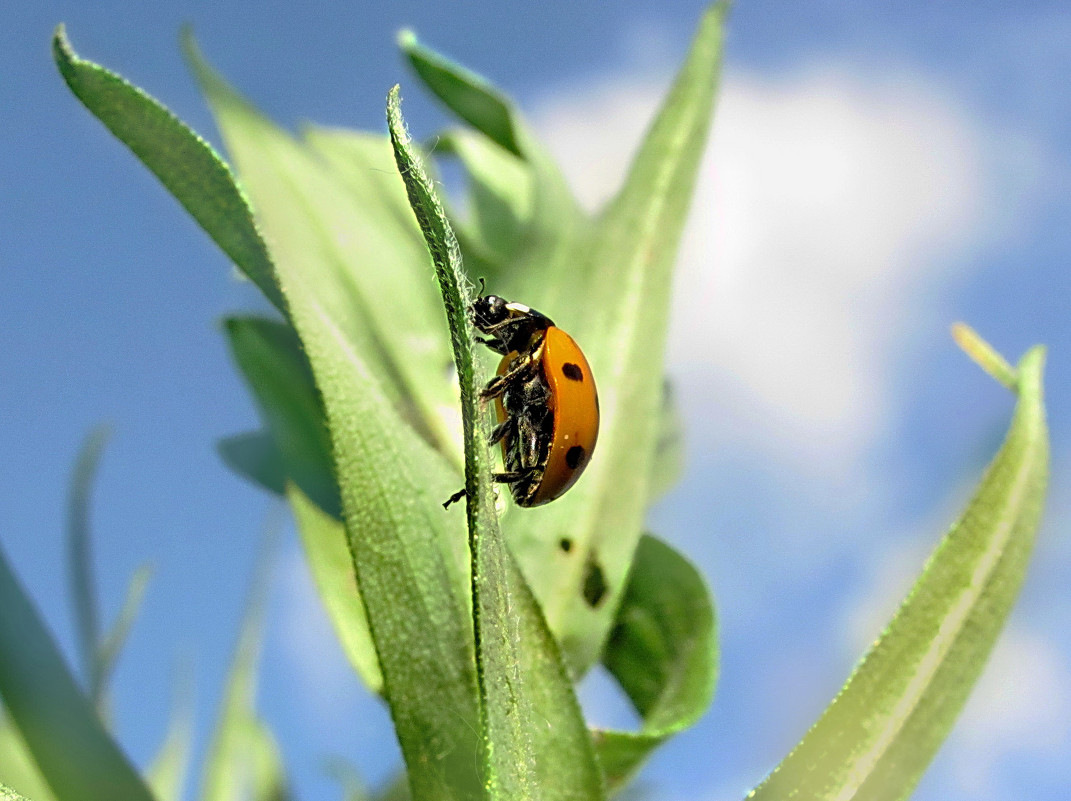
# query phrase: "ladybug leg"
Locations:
[[514, 476], [501, 431], [457, 496], [500, 383]]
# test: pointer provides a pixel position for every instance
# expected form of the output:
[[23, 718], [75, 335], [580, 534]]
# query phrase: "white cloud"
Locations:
[[828, 207]]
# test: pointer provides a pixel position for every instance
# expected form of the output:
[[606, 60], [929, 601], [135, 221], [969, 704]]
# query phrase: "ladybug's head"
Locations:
[[488, 311]]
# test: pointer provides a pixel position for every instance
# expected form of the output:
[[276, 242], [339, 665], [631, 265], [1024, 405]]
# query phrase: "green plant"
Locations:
[[474, 630]]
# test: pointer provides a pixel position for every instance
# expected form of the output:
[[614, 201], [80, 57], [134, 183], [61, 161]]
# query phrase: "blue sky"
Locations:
[[874, 176]]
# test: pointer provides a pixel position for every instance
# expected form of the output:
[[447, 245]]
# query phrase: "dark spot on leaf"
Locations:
[[573, 371], [594, 584], [574, 456], [565, 544]]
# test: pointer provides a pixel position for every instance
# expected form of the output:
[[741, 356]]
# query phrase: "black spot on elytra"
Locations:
[[574, 456], [565, 544], [573, 371], [594, 584]]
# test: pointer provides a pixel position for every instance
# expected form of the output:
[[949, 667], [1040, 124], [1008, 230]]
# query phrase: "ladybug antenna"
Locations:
[[482, 287]]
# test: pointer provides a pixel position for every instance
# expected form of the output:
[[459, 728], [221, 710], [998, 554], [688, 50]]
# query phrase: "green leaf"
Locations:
[[59, 725], [80, 560], [17, 768], [663, 652], [270, 357], [468, 95], [881, 731], [368, 271], [255, 456], [7, 794], [610, 288], [410, 557], [185, 164], [536, 744], [241, 752], [111, 645], [555, 221], [328, 554], [169, 769], [500, 192]]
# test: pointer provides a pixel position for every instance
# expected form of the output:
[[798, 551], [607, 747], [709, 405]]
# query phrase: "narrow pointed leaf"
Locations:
[[342, 243], [663, 652], [327, 551], [610, 288], [555, 224], [468, 95], [80, 559], [186, 164], [878, 735], [270, 357], [667, 466], [111, 645], [537, 746], [410, 558], [269, 780], [58, 723]]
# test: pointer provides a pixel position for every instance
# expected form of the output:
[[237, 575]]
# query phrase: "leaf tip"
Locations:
[[395, 122], [406, 39], [985, 355], [62, 52]]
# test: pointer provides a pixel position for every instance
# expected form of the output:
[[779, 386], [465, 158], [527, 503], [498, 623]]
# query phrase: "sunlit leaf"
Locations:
[[186, 164], [369, 275], [18, 771], [609, 286], [7, 794], [881, 731], [537, 746]]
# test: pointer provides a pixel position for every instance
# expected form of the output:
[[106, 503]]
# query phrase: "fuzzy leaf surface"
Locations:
[[184, 162], [535, 743], [410, 559], [878, 735], [606, 281]]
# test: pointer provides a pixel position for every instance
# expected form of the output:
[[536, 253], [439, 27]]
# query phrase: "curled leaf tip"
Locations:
[[62, 51], [406, 38], [985, 356]]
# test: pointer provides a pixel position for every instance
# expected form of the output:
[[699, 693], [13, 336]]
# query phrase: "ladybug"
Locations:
[[546, 404]]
